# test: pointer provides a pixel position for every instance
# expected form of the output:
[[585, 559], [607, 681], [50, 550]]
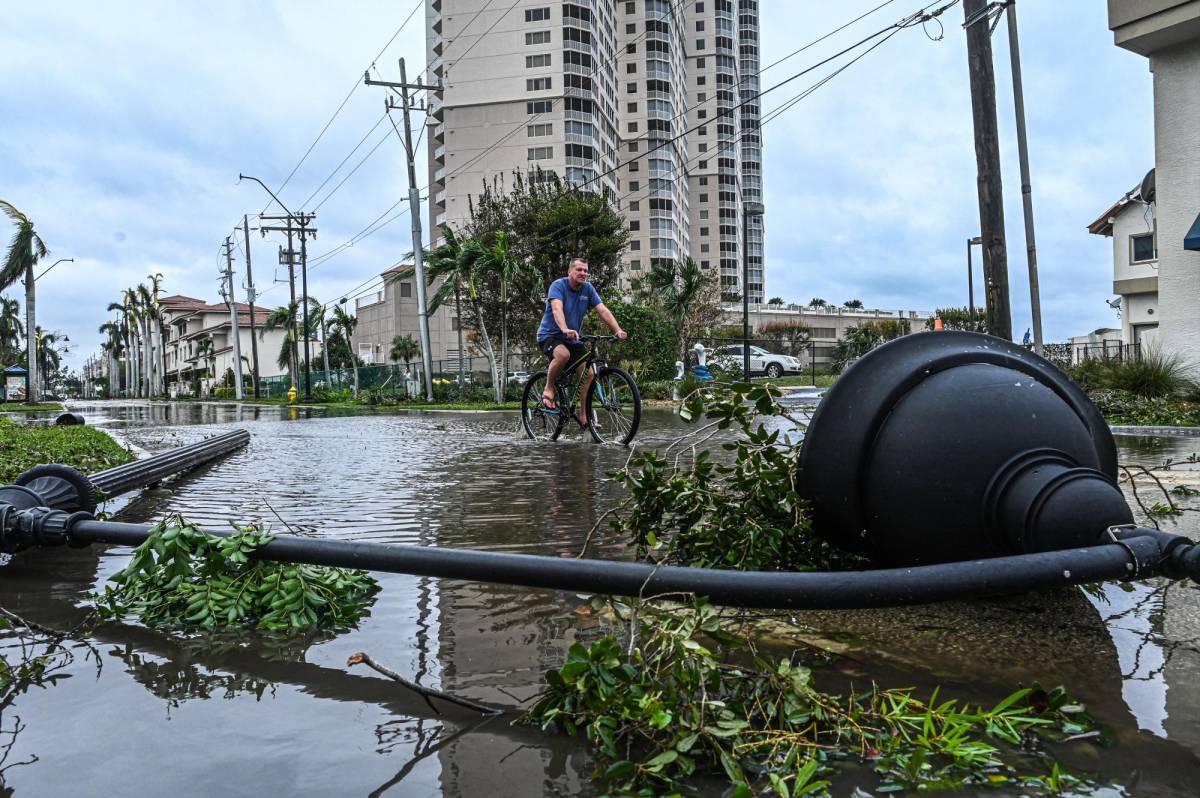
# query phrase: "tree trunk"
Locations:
[[458, 315], [503, 356], [487, 343], [30, 339], [325, 354]]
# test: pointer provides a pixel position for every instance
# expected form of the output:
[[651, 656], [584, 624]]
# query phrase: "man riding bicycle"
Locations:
[[567, 302]]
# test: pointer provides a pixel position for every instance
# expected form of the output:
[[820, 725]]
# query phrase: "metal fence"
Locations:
[[1069, 354]]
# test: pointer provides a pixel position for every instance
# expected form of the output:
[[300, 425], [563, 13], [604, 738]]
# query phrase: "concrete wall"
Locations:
[[828, 325], [1135, 282], [1177, 172], [389, 313]]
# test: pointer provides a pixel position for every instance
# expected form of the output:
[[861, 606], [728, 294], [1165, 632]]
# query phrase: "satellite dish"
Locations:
[[1147, 189]]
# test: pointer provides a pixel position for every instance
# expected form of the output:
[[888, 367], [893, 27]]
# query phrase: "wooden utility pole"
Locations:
[[230, 296], [987, 158], [251, 296], [414, 205], [306, 231]]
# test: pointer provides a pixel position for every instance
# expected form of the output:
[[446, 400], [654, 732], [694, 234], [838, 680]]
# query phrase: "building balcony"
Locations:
[[590, 140], [440, 198]]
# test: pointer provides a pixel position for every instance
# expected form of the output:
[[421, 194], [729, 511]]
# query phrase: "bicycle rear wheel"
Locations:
[[614, 406], [539, 421]]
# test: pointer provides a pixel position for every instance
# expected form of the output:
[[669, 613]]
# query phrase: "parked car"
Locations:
[[519, 377], [761, 361]]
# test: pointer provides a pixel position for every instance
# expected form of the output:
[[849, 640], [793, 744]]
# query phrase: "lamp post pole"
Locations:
[[31, 379]]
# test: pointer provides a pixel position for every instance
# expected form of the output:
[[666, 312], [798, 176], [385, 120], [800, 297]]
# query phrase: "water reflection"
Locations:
[[295, 720]]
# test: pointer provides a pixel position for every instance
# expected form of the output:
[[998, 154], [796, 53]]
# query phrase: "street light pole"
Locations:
[[31, 348], [971, 280]]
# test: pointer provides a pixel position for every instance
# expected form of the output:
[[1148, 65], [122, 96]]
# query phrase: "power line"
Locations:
[[420, 4], [349, 155], [350, 174]]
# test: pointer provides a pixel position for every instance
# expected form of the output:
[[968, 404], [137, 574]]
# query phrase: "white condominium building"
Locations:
[[653, 101]]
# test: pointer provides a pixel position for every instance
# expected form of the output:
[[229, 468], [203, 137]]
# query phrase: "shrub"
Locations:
[[1153, 374], [656, 389], [1123, 407], [224, 393]]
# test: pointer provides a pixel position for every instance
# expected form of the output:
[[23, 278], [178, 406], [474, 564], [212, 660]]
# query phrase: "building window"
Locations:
[[699, 46], [699, 25], [631, 68], [703, 147], [701, 113], [633, 185], [703, 164], [633, 127], [702, 130], [704, 247], [1142, 248], [631, 88], [539, 60], [631, 27], [537, 14], [631, 48], [632, 108], [633, 166], [700, 65], [634, 205], [704, 264], [701, 96], [635, 244], [538, 37], [704, 198], [703, 231], [700, 81], [405, 290], [699, 8], [633, 146], [703, 214], [630, 8], [540, 153], [541, 130], [635, 264], [539, 106], [704, 181], [635, 225], [537, 84]]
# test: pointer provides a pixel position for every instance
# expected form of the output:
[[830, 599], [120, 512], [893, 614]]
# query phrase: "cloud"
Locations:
[[124, 127]]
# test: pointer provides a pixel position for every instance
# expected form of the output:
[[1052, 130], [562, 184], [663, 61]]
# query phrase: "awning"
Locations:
[[1192, 239]]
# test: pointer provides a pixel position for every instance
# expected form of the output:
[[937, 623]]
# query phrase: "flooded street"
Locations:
[[252, 715]]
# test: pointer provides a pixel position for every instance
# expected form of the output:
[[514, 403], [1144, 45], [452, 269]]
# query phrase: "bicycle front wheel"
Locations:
[[539, 421], [614, 406]]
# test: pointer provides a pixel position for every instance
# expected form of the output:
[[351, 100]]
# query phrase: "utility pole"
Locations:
[[250, 295], [1035, 294], [745, 297], [414, 206], [987, 158], [230, 297], [305, 231]]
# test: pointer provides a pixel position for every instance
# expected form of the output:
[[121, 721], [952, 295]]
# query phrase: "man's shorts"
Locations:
[[548, 344]]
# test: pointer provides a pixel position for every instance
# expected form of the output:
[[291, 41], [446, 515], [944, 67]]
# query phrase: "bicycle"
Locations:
[[614, 404]]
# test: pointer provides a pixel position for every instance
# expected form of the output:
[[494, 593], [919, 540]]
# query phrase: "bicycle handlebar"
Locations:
[[611, 338]]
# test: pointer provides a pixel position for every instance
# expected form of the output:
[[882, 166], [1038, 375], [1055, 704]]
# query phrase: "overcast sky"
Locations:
[[123, 127]]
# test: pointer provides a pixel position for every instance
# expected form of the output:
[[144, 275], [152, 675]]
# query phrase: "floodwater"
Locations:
[[147, 713]]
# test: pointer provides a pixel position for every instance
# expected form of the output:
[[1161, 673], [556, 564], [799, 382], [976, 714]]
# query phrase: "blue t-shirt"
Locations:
[[576, 304]]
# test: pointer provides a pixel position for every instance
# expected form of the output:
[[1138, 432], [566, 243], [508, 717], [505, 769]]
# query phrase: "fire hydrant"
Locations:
[[292, 395]]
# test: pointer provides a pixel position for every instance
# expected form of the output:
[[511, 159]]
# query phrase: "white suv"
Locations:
[[761, 361]]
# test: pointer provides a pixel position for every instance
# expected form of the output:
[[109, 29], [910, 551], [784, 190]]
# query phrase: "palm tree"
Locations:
[[158, 340], [680, 289], [495, 262], [447, 263], [342, 326], [288, 318], [25, 250], [404, 349], [145, 313], [112, 345], [853, 304], [775, 301], [11, 330], [204, 351], [817, 302], [49, 358]]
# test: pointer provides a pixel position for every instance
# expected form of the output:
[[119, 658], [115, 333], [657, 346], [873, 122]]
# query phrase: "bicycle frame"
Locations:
[[591, 361]]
